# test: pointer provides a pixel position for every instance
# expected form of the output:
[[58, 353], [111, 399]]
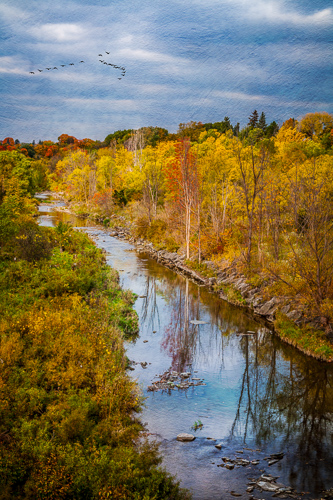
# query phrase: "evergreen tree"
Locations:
[[253, 119], [272, 129], [236, 129], [262, 122]]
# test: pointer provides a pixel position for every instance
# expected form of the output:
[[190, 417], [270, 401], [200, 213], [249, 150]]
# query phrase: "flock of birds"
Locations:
[[115, 66]]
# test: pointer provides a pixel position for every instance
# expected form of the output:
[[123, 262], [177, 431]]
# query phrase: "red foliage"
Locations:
[[9, 140]]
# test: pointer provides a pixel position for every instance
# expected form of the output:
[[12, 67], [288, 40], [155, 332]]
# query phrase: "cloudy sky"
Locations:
[[185, 60]]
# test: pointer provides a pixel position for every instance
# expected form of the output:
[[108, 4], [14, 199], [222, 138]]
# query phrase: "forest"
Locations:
[[260, 197]]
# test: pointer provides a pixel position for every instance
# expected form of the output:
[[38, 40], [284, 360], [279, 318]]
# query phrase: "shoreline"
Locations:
[[280, 313]]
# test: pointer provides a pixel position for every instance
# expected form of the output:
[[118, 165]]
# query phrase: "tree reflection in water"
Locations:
[[149, 310], [285, 400]]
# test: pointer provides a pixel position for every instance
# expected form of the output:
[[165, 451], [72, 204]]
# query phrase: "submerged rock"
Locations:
[[230, 466], [172, 380], [267, 482]]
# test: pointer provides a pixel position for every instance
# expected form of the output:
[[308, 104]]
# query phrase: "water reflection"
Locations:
[[260, 393], [284, 400]]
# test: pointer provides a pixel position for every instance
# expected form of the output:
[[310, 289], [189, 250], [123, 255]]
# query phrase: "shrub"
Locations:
[[33, 243]]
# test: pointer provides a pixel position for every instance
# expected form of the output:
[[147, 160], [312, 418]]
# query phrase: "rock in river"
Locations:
[[183, 436]]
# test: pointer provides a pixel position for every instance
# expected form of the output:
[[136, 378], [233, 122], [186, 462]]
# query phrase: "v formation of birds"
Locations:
[[115, 66]]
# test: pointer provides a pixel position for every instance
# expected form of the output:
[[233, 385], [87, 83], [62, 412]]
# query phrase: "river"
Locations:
[[257, 396]]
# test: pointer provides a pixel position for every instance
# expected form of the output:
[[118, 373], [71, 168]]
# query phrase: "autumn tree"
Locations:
[[313, 125], [190, 130], [215, 163], [252, 161], [182, 181], [153, 178], [77, 174]]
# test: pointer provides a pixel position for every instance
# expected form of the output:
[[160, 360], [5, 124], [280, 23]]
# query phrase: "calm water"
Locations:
[[259, 393]]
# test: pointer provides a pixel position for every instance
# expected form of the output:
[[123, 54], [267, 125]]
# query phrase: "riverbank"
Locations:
[[285, 314], [70, 424]]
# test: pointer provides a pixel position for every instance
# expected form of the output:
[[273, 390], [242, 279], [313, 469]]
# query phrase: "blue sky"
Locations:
[[200, 60]]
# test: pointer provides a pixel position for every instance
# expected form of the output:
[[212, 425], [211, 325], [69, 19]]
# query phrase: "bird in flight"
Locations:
[[121, 68]]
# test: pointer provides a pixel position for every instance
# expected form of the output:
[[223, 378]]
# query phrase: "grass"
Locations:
[[201, 268], [309, 340], [197, 425]]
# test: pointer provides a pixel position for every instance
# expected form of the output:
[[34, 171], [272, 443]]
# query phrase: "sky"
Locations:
[[197, 60]]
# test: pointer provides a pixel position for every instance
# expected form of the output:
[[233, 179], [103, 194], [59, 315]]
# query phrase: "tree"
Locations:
[[272, 129], [14, 165], [215, 161], [118, 137], [190, 130], [221, 127], [315, 124], [182, 181], [251, 164], [262, 122], [153, 179], [253, 119]]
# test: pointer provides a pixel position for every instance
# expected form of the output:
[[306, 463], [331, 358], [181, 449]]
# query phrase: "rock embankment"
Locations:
[[222, 282], [235, 288]]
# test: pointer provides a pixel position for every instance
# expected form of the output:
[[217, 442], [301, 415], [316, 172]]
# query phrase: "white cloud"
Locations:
[[10, 66], [112, 104], [150, 56], [273, 11], [268, 100], [277, 12], [59, 32], [10, 13]]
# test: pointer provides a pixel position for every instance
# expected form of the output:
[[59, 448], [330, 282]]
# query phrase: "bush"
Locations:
[[68, 410], [157, 233], [33, 243]]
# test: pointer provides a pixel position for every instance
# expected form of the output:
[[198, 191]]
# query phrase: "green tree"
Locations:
[[262, 122], [253, 119]]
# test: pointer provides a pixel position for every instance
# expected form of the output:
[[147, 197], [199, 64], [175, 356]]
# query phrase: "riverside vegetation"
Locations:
[[69, 413], [258, 199]]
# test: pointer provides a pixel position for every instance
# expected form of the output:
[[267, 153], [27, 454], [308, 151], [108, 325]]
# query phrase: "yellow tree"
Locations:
[[108, 178], [252, 160], [215, 163], [313, 125], [77, 174]]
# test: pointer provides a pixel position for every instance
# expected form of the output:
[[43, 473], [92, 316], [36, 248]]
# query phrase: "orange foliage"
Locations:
[[9, 141]]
